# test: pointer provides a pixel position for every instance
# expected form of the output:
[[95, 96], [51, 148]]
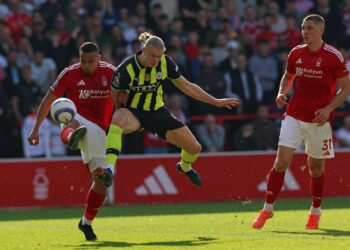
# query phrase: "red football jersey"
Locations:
[[90, 93], [315, 82]]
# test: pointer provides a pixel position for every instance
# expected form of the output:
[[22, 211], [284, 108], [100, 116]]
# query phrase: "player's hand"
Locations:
[[281, 100], [321, 116], [123, 97], [228, 103], [33, 138]]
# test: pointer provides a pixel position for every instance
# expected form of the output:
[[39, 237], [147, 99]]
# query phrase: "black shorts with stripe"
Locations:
[[157, 122]]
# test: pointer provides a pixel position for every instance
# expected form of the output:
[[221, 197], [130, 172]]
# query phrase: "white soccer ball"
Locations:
[[63, 110]]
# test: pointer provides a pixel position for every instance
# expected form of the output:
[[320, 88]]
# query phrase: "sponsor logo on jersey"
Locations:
[[145, 88], [299, 61], [93, 93], [309, 73]]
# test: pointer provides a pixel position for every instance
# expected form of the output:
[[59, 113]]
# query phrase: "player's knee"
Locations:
[[316, 171], [119, 118], [281, 164], [195, 148]]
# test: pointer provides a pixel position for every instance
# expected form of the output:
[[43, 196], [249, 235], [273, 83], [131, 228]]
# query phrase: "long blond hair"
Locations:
[[150, 40]]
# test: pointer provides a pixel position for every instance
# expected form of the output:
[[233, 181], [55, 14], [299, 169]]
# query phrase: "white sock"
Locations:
[[85, 221], [315, 210], [112, 168], [268, 207], [186, 169]]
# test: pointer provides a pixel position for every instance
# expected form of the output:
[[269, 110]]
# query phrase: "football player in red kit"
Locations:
[[87, 84], [316, 68]]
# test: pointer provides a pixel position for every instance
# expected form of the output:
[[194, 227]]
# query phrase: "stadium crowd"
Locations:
[[231, 48]]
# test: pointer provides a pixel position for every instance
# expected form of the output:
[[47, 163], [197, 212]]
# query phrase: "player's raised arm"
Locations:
[[44, 108], [196, 92]]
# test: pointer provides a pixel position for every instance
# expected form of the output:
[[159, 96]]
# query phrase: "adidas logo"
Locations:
[[326, 153], [298, 61], [81, 83], [290, 183], [159, 183]]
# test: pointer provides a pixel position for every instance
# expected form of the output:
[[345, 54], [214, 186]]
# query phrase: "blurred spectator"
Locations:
[[220, 51], [188, 12], [346, 23], [278, 21], [266, 33], [266, 130], [24, 52], [244, 139], [250, 27], [176, 106], [16, 20], [43, 149], [170, 7], [332, 18], [211, 135], [265, 67], [38, 39], [191, 49], [343, 134], [163, 27], [212, 81], [56, 145], [245, 85], [243, 4], [12, 72], [176, 44], [153, 144], [230, 63], [4, 10], [43, 70], [25, 94], [50, 9], [292, 35]]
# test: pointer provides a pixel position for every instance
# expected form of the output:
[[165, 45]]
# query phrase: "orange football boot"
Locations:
[[312, 222], [263, 216]]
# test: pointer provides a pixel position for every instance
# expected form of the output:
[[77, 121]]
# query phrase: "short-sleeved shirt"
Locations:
[[90, 93], [315, 83], [144, 84]]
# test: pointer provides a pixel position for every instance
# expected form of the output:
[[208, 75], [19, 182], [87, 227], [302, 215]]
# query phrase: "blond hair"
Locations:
[[315, 18], [150, 40]]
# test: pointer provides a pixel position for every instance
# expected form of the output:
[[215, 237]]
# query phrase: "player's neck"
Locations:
[[315, 46]]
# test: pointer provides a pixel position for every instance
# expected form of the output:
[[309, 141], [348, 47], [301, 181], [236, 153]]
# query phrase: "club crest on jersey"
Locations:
[[318, 62], [159, 75], [104, 81]]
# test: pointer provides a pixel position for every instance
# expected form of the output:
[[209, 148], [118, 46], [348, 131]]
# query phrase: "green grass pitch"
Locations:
[[183, 226]]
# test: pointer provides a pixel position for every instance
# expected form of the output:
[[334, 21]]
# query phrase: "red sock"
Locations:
[[93, 202], [274, 185], [316, 187], [65, 133]]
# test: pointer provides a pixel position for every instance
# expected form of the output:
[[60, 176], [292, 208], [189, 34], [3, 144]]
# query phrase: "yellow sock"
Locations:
[[187, 159], [113, 144]]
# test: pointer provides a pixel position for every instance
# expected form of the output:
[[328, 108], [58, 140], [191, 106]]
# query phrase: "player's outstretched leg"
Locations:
[[192, 175], [274, 185], [87, 230]]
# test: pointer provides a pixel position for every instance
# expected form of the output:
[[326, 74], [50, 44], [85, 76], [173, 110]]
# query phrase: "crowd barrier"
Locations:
[[154, 179]]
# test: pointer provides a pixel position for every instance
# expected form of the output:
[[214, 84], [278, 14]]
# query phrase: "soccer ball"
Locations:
[[63, 110]]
